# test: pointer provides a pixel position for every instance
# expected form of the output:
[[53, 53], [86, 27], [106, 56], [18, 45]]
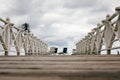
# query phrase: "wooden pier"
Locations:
[[77, 67]]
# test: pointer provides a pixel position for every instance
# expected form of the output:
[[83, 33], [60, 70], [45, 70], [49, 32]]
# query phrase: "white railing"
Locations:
[[105, 34], [19, 39]]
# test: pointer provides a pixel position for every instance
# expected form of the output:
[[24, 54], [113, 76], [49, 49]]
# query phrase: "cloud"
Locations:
[[58, 22], [60, 43], [79, 4]]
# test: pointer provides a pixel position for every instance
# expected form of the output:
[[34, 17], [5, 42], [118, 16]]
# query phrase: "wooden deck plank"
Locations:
[[60, 67]]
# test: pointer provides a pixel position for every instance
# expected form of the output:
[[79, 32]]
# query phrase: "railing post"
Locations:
[[108, 52], [18, 53], [6, 53], [117, 9]]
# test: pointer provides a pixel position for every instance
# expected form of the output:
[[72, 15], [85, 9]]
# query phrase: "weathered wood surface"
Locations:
[[89, 67]]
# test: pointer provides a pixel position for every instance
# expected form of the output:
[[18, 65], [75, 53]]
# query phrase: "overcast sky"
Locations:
[[59, 23]]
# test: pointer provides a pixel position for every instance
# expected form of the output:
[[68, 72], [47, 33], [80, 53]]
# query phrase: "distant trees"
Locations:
[[26, 27]]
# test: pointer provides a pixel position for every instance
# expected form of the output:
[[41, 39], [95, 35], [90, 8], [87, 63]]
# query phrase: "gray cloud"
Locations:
[[100, 9], [60, 43], [58, 22], [80, 3]]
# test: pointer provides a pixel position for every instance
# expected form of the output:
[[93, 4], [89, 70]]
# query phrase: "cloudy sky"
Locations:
[[59, 23]]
